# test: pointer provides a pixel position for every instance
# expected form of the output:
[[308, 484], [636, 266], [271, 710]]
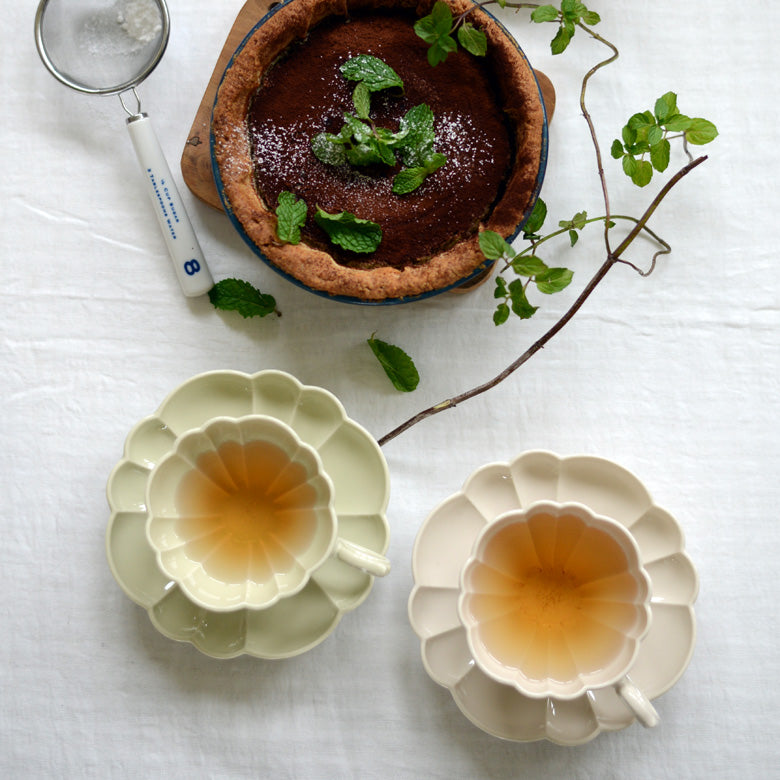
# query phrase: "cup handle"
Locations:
[[362, 558], [640, 705]]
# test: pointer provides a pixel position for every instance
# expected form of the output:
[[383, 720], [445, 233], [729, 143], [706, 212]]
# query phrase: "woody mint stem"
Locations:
[[611, 260]]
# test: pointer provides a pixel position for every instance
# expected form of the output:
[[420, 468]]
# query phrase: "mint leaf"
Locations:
[[553, 280], [665, 107], [528, 265], [677, 123], [590, 17], [361, 97], [544, 13], [398, 366], [700, 132], [474, 41], [660, 154], [440, 50], [534, 223], [561, 40], [617, 149], [520, 305], [350, 232], [238, 295], [577, 222], [409, 179], [493, 246], [436, 24], [501, 314], [654, 135], [642, 174], [435, 30], [418, 136], [329, 148], [290, 217], [372, 72]]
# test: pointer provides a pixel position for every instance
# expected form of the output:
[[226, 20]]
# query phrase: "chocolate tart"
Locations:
[[283, 86]]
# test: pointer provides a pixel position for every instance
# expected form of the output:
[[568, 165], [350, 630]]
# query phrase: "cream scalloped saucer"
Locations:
[[444, 542], [350, 456]]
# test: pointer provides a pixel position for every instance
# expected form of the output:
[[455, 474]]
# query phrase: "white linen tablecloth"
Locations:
[[674, 376]]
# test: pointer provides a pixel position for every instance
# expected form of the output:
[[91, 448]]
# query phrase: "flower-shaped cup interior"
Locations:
[[240, 513], [554, 600]]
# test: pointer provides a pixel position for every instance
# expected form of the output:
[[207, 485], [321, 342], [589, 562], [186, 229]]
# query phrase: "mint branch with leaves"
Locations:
[[570, 17], [645, 144], [526, 265]]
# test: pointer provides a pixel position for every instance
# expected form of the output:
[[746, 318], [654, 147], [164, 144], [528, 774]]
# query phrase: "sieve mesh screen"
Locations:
[[103, 44]]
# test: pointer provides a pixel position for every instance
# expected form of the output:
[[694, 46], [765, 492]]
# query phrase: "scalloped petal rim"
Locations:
[[444, 542], [345, 448]]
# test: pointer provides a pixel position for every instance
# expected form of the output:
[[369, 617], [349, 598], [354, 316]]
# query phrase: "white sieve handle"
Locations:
[[187, 256]]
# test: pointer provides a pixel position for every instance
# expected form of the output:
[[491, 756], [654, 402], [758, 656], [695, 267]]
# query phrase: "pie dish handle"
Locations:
[[187, 256], [362, 558]]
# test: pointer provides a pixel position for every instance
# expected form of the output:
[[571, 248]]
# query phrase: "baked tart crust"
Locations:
[[323, 268]]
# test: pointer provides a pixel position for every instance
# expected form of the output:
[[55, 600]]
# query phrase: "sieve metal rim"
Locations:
[[110, 90]]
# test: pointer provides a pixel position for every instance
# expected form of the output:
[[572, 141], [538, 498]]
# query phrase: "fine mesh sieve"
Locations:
[[108, 47]]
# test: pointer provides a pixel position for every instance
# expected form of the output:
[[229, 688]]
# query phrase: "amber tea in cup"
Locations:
[[241, 514], [555, 602]]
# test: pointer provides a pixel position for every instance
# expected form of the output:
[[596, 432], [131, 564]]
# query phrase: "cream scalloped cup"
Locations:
[[555, 602], [241, 513]]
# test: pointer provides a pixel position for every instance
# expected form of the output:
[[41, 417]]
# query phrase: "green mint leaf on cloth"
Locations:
[[238, 295], [350, 232], [372, 72], [473, 40], [290, 217], [398, 366]]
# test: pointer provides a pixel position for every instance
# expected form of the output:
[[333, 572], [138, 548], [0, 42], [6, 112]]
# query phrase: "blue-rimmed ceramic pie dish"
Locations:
[[471, 130]]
